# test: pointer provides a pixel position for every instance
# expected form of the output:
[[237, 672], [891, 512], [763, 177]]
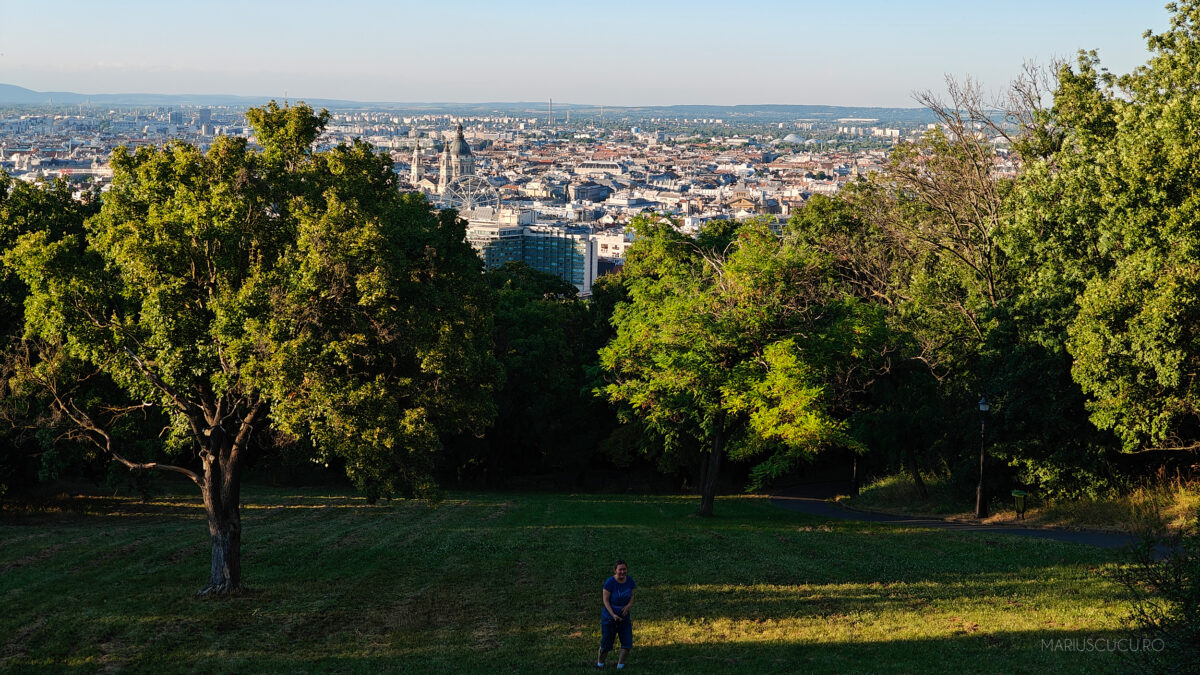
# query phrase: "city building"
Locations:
[[456, 161], [506, 235]]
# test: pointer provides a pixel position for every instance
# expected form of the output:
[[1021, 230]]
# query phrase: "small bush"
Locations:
[[1163, 579]]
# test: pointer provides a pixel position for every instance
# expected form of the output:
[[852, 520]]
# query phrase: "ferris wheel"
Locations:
[[470, 192]]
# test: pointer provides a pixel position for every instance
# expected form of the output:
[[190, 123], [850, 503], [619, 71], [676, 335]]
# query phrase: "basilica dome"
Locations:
[[460, 147]]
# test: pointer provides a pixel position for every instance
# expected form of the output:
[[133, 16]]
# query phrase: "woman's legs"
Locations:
[[625, 631], [608, 632]]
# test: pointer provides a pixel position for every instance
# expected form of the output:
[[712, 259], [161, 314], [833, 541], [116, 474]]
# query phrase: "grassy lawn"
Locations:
[[1170, 503], [511, 582]]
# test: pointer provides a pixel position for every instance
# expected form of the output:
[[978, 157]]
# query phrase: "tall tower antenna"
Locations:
[[550, 114]]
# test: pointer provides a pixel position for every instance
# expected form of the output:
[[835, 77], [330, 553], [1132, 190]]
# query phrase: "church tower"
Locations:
[[417, 172], [456, 161], [462, 163], [444, 170]]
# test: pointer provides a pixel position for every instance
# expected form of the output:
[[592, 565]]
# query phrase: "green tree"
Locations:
[[1107, 222], [545, 338], [735, 341], [239, 289], [28, 449], [934, 243], [976, 288]]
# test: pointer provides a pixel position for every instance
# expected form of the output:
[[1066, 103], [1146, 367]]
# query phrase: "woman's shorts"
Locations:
[[611, 629]]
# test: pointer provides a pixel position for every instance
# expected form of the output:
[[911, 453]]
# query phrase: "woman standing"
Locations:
[[614, 618]]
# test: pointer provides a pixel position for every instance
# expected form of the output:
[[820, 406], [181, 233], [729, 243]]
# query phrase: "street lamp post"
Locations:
[[981, 511]]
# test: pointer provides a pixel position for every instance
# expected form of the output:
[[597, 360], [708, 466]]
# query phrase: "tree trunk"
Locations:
[[708, 492], [225, 574], [222, 499], [910, 459]]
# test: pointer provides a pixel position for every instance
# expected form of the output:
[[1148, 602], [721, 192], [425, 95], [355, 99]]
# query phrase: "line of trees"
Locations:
[[216, 307], [1068, 295]]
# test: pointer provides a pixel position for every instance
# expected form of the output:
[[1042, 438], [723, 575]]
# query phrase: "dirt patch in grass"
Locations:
[[14, 647], [110, 659], [500, 510], [959, 624], [34, 557]]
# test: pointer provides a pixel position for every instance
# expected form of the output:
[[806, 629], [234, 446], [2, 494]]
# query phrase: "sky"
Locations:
[[612, 52]]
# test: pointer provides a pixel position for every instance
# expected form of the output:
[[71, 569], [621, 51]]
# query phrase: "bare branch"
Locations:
[[103, 440]]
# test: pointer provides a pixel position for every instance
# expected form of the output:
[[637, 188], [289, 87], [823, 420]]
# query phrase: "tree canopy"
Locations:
[[1135, 338], [27, 448], [735, 341], [239, 289]]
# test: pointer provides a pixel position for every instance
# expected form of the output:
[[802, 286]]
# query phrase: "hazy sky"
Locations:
[[612, 52]]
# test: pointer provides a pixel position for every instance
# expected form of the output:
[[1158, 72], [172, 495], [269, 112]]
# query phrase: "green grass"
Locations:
[[897, 493], [511, 582], [1171, 503]]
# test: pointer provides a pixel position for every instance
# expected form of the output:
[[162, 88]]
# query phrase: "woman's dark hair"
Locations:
[[619, 563]]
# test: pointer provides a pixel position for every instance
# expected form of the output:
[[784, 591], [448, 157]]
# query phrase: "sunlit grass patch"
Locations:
[[1173, 504], [897, 493], [1170, 503]]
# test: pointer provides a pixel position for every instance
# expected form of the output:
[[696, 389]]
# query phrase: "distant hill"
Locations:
[[14, 95]]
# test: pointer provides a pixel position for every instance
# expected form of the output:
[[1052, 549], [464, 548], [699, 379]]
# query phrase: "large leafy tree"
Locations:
[[239, 289], [857, 231], [975, 286], [1107, 221], [736, 341]]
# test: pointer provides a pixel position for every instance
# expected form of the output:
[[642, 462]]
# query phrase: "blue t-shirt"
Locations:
[[619, 595]]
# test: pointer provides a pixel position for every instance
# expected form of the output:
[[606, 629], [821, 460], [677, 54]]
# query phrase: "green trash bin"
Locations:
[[1019, 497]]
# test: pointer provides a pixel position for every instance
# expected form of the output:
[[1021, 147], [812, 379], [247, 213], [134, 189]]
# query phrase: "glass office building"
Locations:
[[567, 252]]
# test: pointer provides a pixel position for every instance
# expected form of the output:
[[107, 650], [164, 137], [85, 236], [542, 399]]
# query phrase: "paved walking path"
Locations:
[[810, 499]]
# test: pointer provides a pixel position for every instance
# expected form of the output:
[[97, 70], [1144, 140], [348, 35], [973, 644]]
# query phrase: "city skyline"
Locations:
[[875, 54]]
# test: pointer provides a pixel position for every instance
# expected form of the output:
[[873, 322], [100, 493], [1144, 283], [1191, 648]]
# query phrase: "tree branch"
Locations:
[[245, 429], [181, 403], [84, 422]]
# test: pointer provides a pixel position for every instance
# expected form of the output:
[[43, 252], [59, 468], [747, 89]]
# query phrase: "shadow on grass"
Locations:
[[1055, 651], [65, 507], [753, 544], [179, 503]]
